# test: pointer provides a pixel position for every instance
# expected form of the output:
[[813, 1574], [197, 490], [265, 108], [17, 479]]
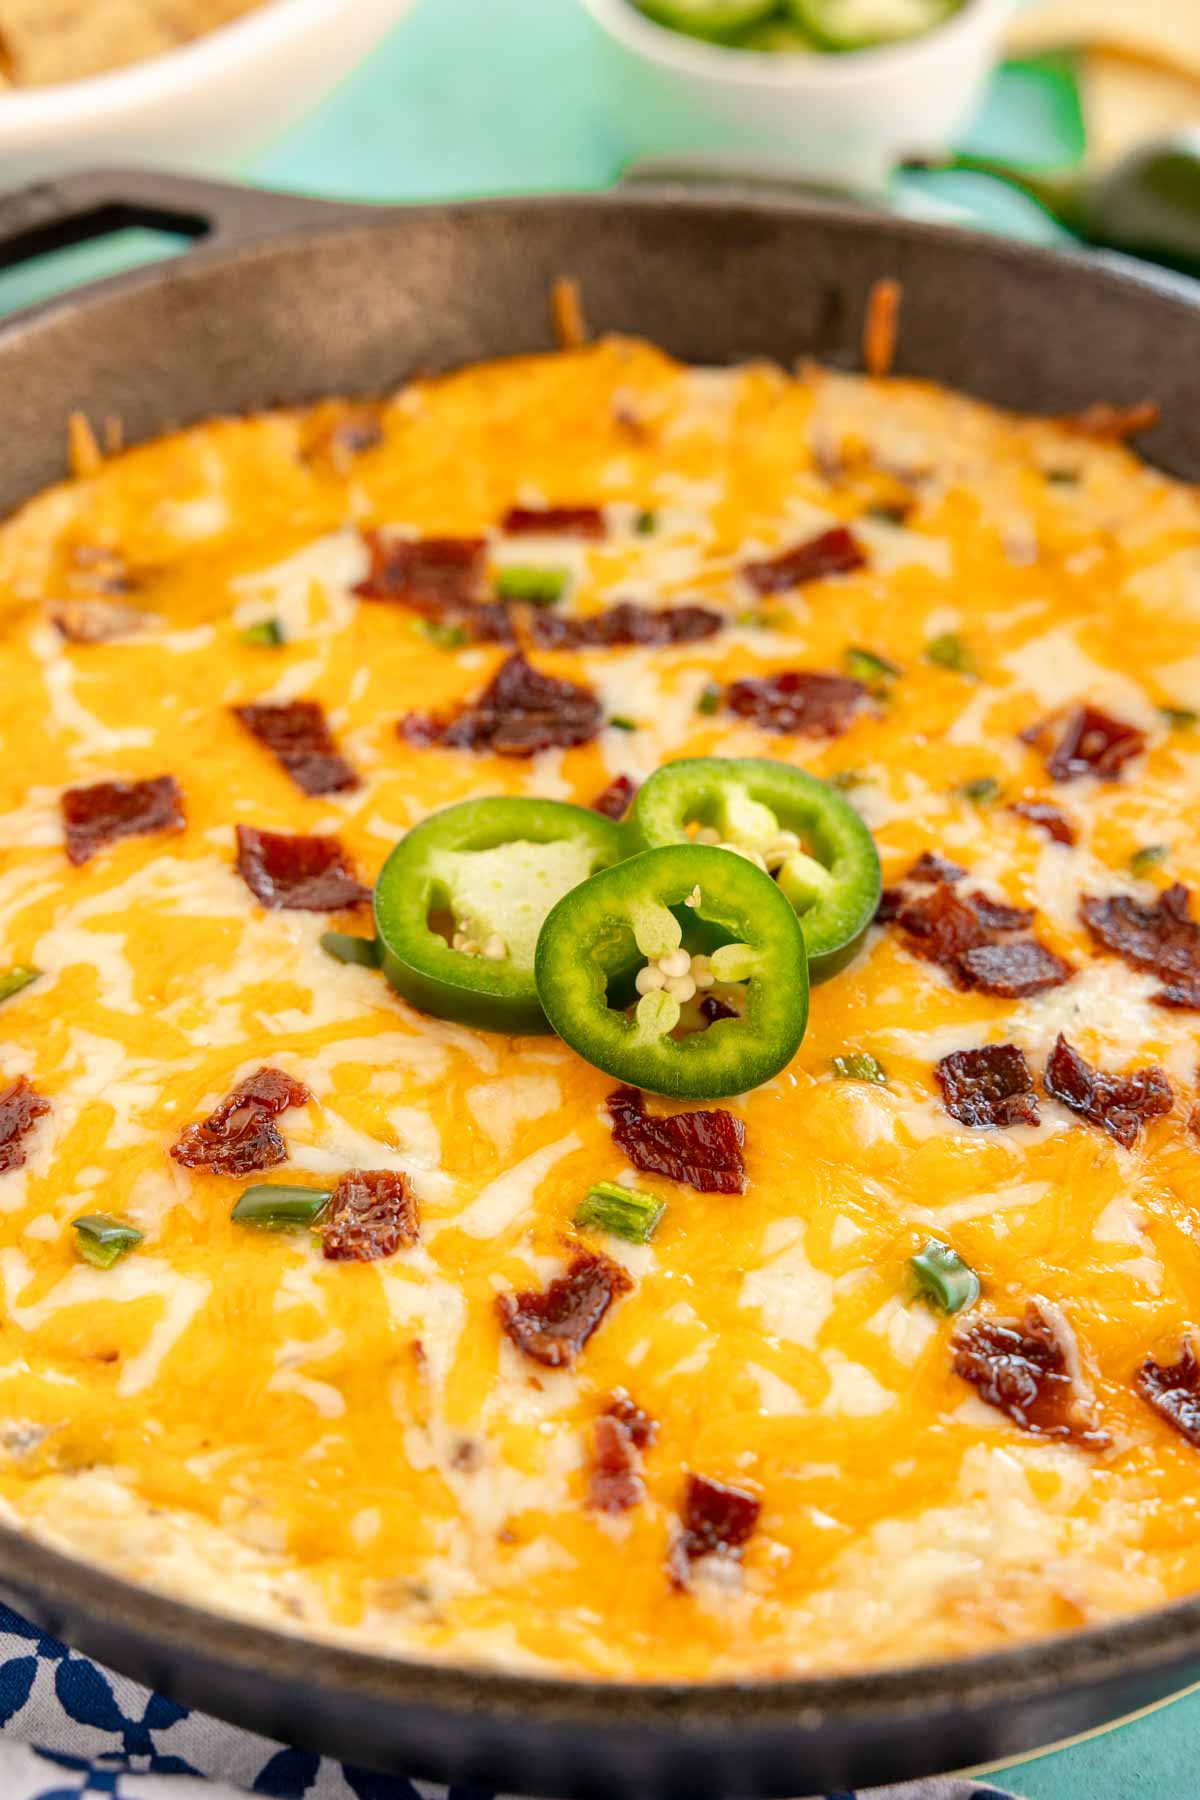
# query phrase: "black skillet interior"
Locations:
[[286, 299]]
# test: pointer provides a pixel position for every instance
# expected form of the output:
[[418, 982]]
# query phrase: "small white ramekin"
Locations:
[[845, 119], [204, 106]]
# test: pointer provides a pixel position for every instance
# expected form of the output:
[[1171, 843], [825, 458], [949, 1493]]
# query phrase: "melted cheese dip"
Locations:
[[355, 1449]]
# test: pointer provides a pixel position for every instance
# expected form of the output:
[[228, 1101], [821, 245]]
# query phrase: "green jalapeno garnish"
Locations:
[[102, 1240], [460, 901], [280, 1206], [943, 1278], [15, 980], [798, 828], [621, 957], [622, 1212]]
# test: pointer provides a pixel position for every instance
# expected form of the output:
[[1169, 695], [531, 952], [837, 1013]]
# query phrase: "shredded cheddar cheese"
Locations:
[[355, 1449]]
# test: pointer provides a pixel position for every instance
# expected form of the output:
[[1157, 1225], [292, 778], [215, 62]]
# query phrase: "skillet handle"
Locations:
[[51, 215]]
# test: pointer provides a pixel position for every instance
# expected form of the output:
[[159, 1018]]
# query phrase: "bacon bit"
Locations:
[[834, 552], [372, 1213], [84, 455], [959, 935], [930, 868], [427, 574], [566, 313], [1117, 1103], [717, 1521], [614, 801], [1110, 424], [554, 521], [799, 700], [1047, 817], [297, 735], [997, 915], [881, 327], [1089, 742], [299, 874], [1025, 1370], [992, 1086], [703, 1149], [520, 712], [625, 623], [553, 1327], [466, 1456], [96, 816], [96, 621], [890, 902], [240, 1137], [1162, 939], [712, 1009], [620, 1433], [21, 1106], [1014, 970], [1173, 1390]]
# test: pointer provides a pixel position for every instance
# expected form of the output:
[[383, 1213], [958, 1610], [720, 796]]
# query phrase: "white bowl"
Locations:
[[201, 107], [844, 118]]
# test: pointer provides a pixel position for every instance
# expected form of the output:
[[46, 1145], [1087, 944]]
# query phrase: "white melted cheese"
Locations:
[[500, 1204]]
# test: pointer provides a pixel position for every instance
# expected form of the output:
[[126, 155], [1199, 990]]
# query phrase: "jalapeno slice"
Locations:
[[623, 984], [460, 901], [801, 829]]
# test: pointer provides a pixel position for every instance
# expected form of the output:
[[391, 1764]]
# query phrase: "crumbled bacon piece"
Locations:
[[625, 623], [834, 552], [99, 815], [717, 1520], [930, 867], [1086, 742], [427, 574], [302, 874], [1024, 1368], [96, 621], [553, 1327], [992, 1086], [1173, 1390], [1162, 939], [1015, 969], [807, 701], [520, 712], [621, 1432], [240, 1137], [613, 802], [702, 1148], [1117, 1103], [890, 902], [554, 521], [371, 1213], [1110, 424], [21, 1106], [297, 734], [1047, 817], [997, 915], [959, 934]]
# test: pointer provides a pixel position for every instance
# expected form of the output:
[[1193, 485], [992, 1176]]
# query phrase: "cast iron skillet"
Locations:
[[287, 299]]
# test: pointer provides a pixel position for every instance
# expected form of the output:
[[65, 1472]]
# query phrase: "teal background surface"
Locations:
[[472, 97]]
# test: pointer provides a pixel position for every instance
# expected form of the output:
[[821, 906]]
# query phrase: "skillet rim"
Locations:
[[44, 1580]]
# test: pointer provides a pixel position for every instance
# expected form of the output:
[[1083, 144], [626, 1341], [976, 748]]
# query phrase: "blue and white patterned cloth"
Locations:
[[71, 1730]]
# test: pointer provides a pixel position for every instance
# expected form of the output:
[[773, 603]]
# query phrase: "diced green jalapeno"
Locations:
[[808, 837], [859, 1065], [279, 1207], [102, 1240], [460, 901], [1147, 858], [621, 1211], [875, 672], [949, 651], [268, 633], [13, 980], [982, 791], [345, 947], [646, 523], [1180, 718], [631, 930], [943, 1278], [532, 582]]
